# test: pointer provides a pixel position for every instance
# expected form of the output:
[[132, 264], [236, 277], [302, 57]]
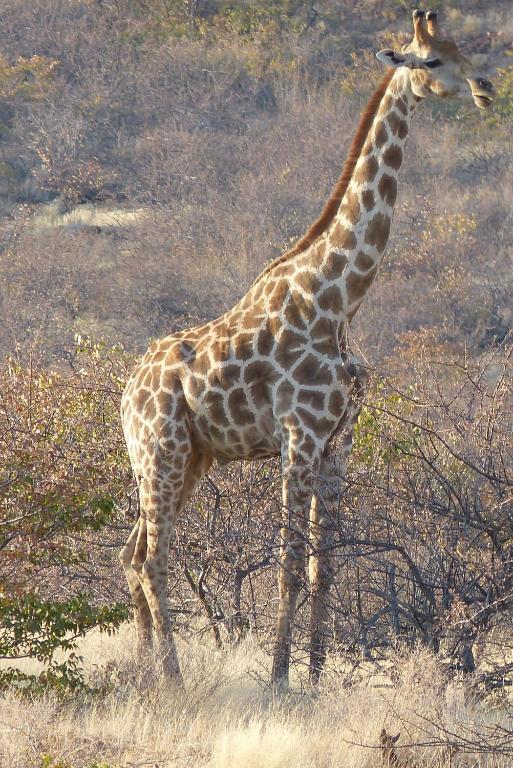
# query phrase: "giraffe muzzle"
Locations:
[[483, 92]]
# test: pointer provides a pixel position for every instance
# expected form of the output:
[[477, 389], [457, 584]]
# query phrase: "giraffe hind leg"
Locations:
[[142, 613], [297, 479], [160, 492], [161, 510]]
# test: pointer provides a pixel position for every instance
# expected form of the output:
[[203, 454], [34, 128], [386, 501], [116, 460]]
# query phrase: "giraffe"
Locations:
[[274, 375]]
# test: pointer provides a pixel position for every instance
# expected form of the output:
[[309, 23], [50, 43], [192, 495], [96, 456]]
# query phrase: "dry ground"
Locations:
[[228, 717]]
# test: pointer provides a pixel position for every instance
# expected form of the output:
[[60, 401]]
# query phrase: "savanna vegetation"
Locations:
[[154, 155]]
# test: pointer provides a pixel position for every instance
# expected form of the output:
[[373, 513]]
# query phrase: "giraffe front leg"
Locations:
[[320, 564], [323, 524], [297, 484]]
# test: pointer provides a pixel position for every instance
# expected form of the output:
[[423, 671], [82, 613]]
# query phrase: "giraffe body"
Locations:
[[273, 376]]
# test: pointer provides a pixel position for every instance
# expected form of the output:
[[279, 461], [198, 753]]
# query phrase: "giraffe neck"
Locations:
[[353, 246]]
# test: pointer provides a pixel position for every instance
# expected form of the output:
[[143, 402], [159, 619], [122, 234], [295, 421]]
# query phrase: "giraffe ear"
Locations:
[[399, 59], [392, 58]]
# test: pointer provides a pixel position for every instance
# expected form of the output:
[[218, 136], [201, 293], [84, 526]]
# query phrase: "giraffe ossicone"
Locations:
[[274, 375]]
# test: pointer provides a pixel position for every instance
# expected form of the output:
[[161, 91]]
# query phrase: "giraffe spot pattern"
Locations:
[[331, 299], [367, 170], [342, 237], [393, 156], [334, 265], [312, 371], [368, 199], [378, 231], [387, 188], [363, 262], [380, 135], [357, 285], [312, 398], [398, 126], [351, 207]]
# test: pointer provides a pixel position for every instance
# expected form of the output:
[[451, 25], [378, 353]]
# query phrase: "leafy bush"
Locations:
[[63, 468], [38, 629]]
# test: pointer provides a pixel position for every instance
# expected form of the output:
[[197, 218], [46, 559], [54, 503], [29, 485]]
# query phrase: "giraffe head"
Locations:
[[436, 66]]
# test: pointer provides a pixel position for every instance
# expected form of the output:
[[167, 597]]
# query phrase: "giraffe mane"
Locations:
[[332, 203]]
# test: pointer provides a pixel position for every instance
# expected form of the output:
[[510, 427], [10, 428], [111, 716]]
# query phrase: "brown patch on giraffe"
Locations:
[[258, 370], [378, 231], [260, 393], [229, 375], [274, 323], [290, 338], [324, 337], [239, 407], [304, 306], [316, 424], [164, 401], [312, 371], [401, 105], [368, 199], [331, 298], [265, 342], [388, 189], [141, 374], [285, 393], [334, 265], [393, 156], [159, 355], [235, 317], [342, 237], [325, 347], [181, 434], [214, 401], [323, 328], [307, 281], [398, 126], [187, 351], [280, 292], [357, 285], [195, 387], [312, 398], [242, 346], [363, 262], [307, 446], [351, 207], [149, 411], [139, 400], [367, 170], [336, 403], [286, 357], [293, 316], [155, 377], [314, 255], [216, 433], [380, 134], [232, 435]]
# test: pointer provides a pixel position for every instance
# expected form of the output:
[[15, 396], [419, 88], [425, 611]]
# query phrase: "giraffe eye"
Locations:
[[485, 84], [433, 63]]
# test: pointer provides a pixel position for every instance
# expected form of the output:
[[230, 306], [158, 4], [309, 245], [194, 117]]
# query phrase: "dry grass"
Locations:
[[226, 716]]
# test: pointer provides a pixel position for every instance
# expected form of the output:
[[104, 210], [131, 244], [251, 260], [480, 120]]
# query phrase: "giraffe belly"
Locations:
[[228, 441]]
